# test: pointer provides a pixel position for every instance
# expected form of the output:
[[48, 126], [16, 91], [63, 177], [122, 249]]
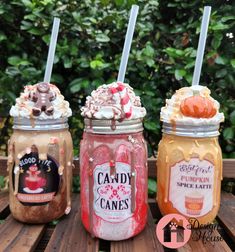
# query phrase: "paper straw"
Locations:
[[127, 44], [51, 52], [201, 45]]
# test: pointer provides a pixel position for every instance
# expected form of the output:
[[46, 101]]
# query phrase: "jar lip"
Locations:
[[198, 131], [36, 124], [113, 127]]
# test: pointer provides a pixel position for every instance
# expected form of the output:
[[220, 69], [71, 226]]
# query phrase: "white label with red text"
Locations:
[[191, 187], [112, 196]]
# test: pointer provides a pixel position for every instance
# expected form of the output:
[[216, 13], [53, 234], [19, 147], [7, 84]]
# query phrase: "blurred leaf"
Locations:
[[174, 52], [150, 125], [2, 182], [228, 133], [221, 73], [180, 73], [220, 26], [232, 63], [14, 60], [96, 64], [150, 62], [76, 184], [67, 62], [2, 36], [152, 186], [227, 18], [232, 117], [220, 60], [36, 31], [54, 222], [77, 84], [216, 41], [102, 38]]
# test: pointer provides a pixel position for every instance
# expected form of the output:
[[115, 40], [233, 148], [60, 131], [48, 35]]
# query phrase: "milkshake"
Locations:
[[189, 156], [113, 163], [40, 155]]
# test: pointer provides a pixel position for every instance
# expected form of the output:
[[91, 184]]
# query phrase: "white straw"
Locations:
[[201, 45], [127, 44], [51, 52]]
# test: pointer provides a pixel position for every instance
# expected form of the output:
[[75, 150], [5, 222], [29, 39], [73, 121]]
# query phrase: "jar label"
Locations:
[[112, 196], [38, 180], [192, 186]]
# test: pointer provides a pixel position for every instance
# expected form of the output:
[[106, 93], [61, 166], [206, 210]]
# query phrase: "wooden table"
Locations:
[[69, 235]]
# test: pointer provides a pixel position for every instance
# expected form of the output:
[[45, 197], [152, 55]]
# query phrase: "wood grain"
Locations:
[[226, 214], [145, 241], [199, 244], [70, 235], [19, 237]]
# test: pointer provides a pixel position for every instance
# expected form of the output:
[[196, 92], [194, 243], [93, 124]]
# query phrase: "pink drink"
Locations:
[[113, 163]]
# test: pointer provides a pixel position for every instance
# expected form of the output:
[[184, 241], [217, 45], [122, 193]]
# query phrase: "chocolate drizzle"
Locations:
[[113, 124]]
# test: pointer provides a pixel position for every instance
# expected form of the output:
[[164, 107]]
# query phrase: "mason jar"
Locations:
[[113, 171], [40, 156], [189, 171]]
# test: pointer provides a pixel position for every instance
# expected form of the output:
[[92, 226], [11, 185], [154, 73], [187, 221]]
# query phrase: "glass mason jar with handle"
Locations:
[[40, 156], [189, 156], [113, 166]]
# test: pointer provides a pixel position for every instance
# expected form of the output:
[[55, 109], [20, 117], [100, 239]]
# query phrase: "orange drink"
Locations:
[[189, 156]]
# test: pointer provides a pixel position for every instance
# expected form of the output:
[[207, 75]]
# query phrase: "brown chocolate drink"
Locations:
[[40, 155]]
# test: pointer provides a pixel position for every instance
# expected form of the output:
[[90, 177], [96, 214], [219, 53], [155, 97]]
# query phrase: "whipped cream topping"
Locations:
[[171, 112], [24, 105], [113, 101]]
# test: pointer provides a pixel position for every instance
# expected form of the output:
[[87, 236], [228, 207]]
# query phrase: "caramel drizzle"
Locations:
[[62, 165], [167, 179], [91, 182], [61, 158], [53, 150], [17, 172], [11, 152], [68, 180]]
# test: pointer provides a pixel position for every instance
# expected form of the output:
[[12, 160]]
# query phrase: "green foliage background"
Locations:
[[89, 50]]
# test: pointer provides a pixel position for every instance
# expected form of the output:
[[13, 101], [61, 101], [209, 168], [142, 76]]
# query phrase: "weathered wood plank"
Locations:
[[198, 244], [226, 215], [70, 235], [16, 236], [228, 167], [206, 245], [145, 241]]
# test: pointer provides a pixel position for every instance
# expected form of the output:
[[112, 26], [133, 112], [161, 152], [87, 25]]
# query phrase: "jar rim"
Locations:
[[112, 127], [198, 131], [36, 124]]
